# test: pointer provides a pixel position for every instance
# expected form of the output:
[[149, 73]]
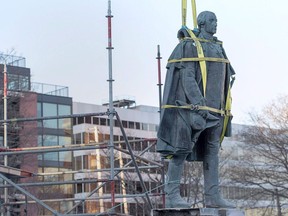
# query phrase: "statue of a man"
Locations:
[[192, 119]]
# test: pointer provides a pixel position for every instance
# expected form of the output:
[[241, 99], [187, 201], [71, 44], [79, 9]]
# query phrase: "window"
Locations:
[[125, 124], [103, 121], [79, 188], [144, 126], [50, 140], [13, 82], [66, 155], [78, 163], [23, 82], [93, 162], [95, 120], [80, 120], [64, 110], [131, 125], [78, 138], [50, 109], [85, 162], [116, 123], [88, 119]]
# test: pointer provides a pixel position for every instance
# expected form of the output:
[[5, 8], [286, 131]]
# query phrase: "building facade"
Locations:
[[30, 100], [140, 124]]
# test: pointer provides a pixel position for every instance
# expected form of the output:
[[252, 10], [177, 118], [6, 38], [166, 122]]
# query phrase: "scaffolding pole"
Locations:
[[52, 117], [160, 108], [5, 142], [74, 147], [111, 111], [106, 197]]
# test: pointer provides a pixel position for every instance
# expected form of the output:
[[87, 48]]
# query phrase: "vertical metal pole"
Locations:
[[5, 125], [111, 108], [26, 205], [160, 105], [159, 77]]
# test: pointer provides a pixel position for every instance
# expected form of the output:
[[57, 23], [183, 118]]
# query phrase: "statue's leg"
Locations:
[[172, 186], [212, 194]]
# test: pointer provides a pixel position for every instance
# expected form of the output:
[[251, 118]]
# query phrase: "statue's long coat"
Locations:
[[180, 129]]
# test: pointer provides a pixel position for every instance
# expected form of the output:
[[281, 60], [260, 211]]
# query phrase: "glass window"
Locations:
[[80, 120], [131, 125], [92, 137], [137, 125], [50, 109], [124, 123], [85, 162], [78, 138], [88, 119], [66, 155], [78, 163], [95, 120], [144, 126], [50, 140], [102, 121], [74, 121], [64, 110], [39, 110], [13, 82], [93, 162], [79, 188], [116, 123], [23, 82]]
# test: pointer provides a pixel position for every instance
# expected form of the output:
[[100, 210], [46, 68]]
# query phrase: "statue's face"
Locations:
[[210, 25]]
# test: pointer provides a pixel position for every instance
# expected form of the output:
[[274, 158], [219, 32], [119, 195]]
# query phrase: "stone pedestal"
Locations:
[[197, 212]]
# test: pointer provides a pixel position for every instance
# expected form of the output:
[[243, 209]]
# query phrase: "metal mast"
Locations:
[[160, 107], [5, 125], [111, 110]]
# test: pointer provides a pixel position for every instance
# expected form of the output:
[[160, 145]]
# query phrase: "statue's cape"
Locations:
[[180, 129]]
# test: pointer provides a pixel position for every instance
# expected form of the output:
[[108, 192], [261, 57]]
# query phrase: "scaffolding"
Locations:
[[136, 163], [6, 172]]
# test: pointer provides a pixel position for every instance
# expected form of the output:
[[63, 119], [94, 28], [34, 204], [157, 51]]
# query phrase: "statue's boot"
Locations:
[[172, 186], [213, 198]]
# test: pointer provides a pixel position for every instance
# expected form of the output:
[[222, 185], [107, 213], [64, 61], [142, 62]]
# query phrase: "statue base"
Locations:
[[197, 212]]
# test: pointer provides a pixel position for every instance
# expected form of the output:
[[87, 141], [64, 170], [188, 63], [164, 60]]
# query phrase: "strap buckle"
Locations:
[[194, 107]]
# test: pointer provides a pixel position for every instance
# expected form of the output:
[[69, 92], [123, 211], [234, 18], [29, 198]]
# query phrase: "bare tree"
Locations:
[[264, 165]]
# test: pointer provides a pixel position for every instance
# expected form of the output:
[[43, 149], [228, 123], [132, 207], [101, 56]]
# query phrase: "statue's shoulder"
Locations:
[[183, 34]]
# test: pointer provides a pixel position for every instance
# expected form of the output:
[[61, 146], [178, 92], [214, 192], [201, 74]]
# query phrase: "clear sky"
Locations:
[[64, 43]]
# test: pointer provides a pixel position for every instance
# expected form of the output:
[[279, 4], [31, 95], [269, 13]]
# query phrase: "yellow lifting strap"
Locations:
[[196, 107], [202, 63], [197, 42], [184, 13], [199, 59], [228, 110]]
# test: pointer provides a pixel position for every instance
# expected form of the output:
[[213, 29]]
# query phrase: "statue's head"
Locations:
[[207, 21]]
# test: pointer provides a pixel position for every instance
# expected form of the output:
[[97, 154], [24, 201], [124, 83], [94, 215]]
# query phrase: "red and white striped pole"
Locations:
[[111, 107], [5, 84]]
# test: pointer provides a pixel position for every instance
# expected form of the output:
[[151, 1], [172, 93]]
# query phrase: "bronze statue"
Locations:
[[194, 110]]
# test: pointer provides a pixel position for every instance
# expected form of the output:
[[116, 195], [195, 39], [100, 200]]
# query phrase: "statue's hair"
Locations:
[[202, 17]]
